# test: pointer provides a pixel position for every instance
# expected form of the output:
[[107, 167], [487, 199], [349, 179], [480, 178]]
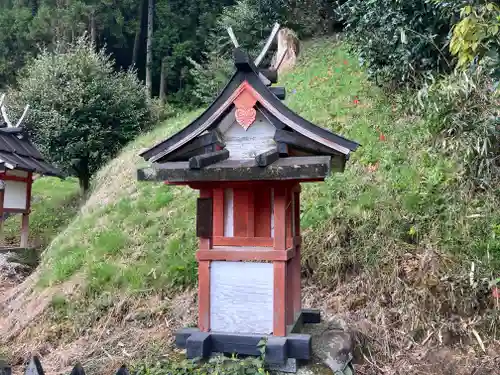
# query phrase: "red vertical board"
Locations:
[[280, 202], [279, 319], [263, 212], [288, 221], [296, 268], [205, 242], [218, 211], [240, 212], [204, 296]]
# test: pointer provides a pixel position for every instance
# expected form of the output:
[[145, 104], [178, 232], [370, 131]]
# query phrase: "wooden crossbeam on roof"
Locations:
[[201, 161]]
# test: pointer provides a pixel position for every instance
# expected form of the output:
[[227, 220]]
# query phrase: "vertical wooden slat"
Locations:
[[288, 215], [204, 295], [24, 230], [240, 212], [296, 268], [25, 219], [263, 213], [28, 191], [2, 196], [280, 194], [280, 268], [251, 213], [204, 242], [289, 306], [204, 278], [218, 210], [228, 212], [279, 319]]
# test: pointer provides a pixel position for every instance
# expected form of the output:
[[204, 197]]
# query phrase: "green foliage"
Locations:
[[15, 44], [463, 109], [218, 365], [399, 42], [211, 77], [477, 36], [82, 111], [313, 17]]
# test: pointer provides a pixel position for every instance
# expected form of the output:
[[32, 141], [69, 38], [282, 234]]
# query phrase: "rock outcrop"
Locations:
[[285, 57]]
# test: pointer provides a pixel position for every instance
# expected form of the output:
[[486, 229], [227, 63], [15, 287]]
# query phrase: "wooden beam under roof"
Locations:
[[202, 144], [279, 92], [204, 160], [270, 74], [301, 142], [266, 158]]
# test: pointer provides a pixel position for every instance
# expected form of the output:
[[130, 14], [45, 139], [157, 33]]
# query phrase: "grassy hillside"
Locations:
[[388, 244]]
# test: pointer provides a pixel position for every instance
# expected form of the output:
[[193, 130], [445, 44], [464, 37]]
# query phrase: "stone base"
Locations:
[[279, 350], [289, 367]]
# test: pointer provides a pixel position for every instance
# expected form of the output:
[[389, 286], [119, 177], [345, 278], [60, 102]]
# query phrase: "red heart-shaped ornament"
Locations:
[[245, 116]]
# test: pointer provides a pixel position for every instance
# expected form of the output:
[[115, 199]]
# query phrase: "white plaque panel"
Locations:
[[241, 297], [15, 194]]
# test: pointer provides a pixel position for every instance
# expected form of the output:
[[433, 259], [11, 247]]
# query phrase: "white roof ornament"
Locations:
[[262, 54], [266, 47], [6, 118]]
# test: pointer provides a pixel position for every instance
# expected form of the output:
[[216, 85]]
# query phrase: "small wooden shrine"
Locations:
[[20, 161], [247, 154]]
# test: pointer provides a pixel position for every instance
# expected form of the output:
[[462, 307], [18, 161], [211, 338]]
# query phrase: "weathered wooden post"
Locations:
[[247, 154]]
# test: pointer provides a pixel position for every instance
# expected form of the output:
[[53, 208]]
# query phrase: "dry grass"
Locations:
[[409, 318]]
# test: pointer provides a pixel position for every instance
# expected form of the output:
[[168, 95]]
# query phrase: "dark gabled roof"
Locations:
[[246, 71], [17, 152], [212, 113]]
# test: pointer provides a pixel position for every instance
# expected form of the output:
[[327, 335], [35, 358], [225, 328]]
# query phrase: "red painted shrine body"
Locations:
[[265, 228], [247, 154]]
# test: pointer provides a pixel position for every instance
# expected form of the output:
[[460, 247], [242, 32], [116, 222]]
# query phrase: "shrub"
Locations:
[[476, 37], [398, 41], [210, 77], [464, 109], [83, 111]]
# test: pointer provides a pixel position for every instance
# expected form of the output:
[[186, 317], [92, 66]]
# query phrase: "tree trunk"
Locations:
[[149, 49], [93, 28], [163, 79], [34, 7], [81, 167], [138, 33]]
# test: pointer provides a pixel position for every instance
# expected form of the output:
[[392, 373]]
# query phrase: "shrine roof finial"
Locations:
[[242, 61]]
